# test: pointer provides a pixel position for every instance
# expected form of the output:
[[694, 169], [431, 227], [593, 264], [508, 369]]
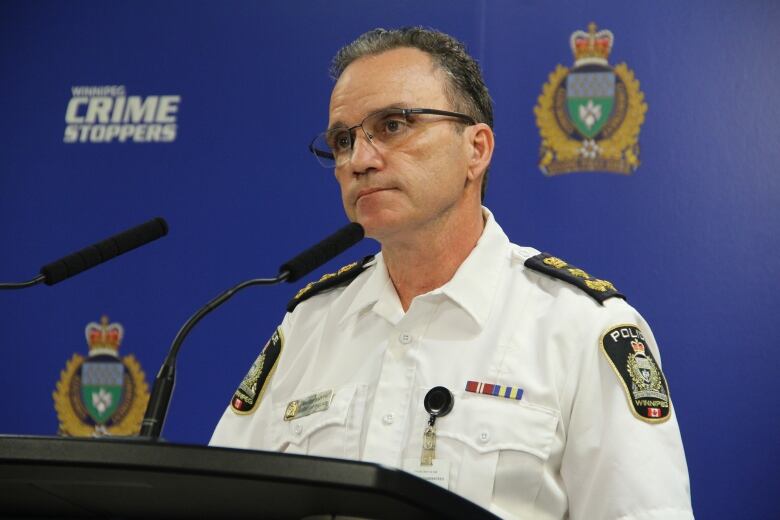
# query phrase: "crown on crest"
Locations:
[[104, 336], [638, 347], [591, 47]]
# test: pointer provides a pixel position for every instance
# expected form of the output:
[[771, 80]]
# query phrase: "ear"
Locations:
[[481, 142]]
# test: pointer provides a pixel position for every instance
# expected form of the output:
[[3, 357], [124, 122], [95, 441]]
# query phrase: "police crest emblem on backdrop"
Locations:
[[101, 394], [589, 116]]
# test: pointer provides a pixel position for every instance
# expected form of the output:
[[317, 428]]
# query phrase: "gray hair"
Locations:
[[464, 87]]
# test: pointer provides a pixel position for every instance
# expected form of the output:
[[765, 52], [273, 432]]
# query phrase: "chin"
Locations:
[[379, 226], [380, 217], [371, 227]]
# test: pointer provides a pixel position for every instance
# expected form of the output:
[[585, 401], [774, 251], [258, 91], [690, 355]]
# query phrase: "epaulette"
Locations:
[[596, 288], [328, 281]]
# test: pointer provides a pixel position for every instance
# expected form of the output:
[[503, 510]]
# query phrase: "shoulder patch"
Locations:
[[328, 281], [252, 387], [599, 290], [638, 373]]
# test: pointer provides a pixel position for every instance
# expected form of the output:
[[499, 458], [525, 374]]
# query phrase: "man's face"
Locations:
[[392, 192]]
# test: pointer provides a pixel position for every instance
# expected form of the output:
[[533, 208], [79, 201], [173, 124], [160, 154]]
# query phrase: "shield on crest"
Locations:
[[590, 97], [102, 380], [645, 369]]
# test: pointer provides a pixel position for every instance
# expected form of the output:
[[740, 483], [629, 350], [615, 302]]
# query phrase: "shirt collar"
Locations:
[[474, 284], [377, 286], [472, 287]]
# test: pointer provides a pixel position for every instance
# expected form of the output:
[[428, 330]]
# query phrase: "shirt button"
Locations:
[[297, 429], [388, 418], [405, 338], [484, 437]]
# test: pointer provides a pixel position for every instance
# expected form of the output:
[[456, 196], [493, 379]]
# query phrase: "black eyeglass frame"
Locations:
[[405, 112]]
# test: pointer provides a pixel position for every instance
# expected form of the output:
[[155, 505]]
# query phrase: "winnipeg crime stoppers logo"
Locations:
[[589, 117], [106, 114], [102, 394]]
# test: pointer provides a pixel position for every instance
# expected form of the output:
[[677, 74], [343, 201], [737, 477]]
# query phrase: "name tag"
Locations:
[[318, 402], [437, 472]]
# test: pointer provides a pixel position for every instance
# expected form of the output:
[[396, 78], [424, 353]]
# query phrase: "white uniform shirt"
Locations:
[[569, 448]]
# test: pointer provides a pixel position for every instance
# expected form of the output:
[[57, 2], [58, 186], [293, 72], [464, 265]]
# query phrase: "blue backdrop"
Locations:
[[691, 237]]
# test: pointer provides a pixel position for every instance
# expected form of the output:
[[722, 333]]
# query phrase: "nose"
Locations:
[[365, 155]]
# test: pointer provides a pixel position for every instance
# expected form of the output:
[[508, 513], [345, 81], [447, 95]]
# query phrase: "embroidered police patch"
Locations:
[[250, 391], [644, 383]]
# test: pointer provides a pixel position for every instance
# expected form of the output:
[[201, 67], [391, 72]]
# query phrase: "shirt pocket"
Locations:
[[496, 447], [334, 432]]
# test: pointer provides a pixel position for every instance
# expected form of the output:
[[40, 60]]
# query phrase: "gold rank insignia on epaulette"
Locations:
[[596, 288], [328, 281]]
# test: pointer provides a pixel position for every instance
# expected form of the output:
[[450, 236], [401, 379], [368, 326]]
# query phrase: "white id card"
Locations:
[[438, 472]]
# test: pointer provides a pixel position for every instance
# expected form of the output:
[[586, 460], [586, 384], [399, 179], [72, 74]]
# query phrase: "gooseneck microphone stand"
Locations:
[[290, 271], [157, 409], [22, 285]]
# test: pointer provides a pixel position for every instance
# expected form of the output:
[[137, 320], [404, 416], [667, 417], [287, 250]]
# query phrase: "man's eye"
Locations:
[[340, 141], [393, 126]]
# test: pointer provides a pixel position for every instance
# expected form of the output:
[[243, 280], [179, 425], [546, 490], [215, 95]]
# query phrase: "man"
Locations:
[[559, 407]]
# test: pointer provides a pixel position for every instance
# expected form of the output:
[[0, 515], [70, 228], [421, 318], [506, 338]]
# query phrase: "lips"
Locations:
[[368, 191]]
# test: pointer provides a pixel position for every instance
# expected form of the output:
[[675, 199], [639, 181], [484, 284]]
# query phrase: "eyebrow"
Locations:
[[341, 124]]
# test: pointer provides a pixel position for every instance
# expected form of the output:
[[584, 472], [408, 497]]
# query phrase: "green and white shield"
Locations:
[[101, 388], [590, 97]]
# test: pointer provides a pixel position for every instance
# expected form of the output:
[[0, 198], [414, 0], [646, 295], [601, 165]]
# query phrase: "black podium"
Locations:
[[44, 477]]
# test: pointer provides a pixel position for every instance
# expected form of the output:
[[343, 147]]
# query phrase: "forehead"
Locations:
[[399, 77]]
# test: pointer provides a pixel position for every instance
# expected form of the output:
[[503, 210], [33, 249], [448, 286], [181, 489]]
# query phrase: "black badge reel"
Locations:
[[438, 402]]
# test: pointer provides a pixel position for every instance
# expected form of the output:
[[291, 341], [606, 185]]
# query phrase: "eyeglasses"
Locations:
[[388, 129]]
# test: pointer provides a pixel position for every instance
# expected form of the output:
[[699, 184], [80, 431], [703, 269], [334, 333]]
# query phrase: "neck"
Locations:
[[430, 257]]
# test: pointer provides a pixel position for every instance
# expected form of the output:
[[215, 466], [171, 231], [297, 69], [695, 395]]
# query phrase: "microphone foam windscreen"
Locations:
[[320, 253], [105, 250]]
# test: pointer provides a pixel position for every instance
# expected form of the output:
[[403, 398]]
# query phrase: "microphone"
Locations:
[[292, 270], [325, 250], [96, 254]]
